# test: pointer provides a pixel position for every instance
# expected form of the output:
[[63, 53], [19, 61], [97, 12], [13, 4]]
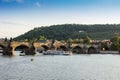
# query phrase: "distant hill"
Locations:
[[66, 31]]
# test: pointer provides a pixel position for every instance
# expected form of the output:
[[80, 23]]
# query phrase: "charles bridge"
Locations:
[[30, 48]]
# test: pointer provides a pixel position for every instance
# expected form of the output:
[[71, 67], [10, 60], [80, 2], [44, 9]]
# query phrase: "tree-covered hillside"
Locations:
[[66, 31]]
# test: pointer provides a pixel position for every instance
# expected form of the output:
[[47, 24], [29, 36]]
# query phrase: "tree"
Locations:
[[25, 40], [76, 40], [87, 40], [81, 40], [115, 43], [41, 38], [63, 41], [70, 40], [66, 31]]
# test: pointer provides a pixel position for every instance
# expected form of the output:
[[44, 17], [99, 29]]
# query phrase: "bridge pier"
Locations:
[[8, 51], [85, 50], [30, 51]]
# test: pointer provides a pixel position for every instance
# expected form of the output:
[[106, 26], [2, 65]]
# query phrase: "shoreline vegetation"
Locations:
[[73, 31], [107, 35]]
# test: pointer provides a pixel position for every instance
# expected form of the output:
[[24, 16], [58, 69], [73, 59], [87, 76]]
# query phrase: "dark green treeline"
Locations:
[[73, 31]]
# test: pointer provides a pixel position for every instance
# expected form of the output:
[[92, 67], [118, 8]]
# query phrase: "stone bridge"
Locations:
[[30, 48]]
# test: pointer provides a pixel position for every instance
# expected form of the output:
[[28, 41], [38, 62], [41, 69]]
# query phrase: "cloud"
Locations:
[[38, 4], [11, 23], [18, 1]]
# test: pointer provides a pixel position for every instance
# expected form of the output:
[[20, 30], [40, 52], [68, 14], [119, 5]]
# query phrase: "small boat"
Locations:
[[22, 54], [54, 52]]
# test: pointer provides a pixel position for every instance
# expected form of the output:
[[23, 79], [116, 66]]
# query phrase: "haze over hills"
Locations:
[[66, 31]]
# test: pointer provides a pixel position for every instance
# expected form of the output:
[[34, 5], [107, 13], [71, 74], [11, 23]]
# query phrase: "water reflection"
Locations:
[[76, 67]]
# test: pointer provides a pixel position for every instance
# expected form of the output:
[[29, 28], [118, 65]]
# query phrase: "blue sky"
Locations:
[[20, 16]]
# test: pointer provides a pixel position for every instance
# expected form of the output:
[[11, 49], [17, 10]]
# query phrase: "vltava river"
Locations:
[[75, 67]]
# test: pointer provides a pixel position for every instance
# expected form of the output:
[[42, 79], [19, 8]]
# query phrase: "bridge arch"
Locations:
[[64, 48], [21, 47], [45, 48], [92, 50], [77, 50], [42, 48]]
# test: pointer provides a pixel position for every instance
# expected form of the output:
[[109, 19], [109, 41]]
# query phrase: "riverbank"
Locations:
[[109, 52]]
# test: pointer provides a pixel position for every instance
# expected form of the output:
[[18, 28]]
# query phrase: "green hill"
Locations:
[[66, 31]]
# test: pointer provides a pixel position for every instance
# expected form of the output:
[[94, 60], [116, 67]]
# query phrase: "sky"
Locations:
[[20, 16]]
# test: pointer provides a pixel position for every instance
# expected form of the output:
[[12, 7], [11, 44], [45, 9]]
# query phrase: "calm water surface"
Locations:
[[75, 67]]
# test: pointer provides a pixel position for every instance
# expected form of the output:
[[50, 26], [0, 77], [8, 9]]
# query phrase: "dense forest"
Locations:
[[73, 31]]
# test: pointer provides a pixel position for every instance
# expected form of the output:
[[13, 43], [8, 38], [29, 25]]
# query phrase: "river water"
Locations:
[[75, 67]]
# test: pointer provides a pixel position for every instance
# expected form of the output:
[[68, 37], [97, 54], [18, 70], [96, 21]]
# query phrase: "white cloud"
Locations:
[[11, 23], [18, 1], [38, 4]]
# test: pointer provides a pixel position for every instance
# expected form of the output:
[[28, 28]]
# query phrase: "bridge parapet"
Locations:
[[10, 46], [74, 45], [15, 44], [37, 44]]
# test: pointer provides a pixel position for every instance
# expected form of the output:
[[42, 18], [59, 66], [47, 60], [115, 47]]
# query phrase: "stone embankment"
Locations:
[[109, 52]]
